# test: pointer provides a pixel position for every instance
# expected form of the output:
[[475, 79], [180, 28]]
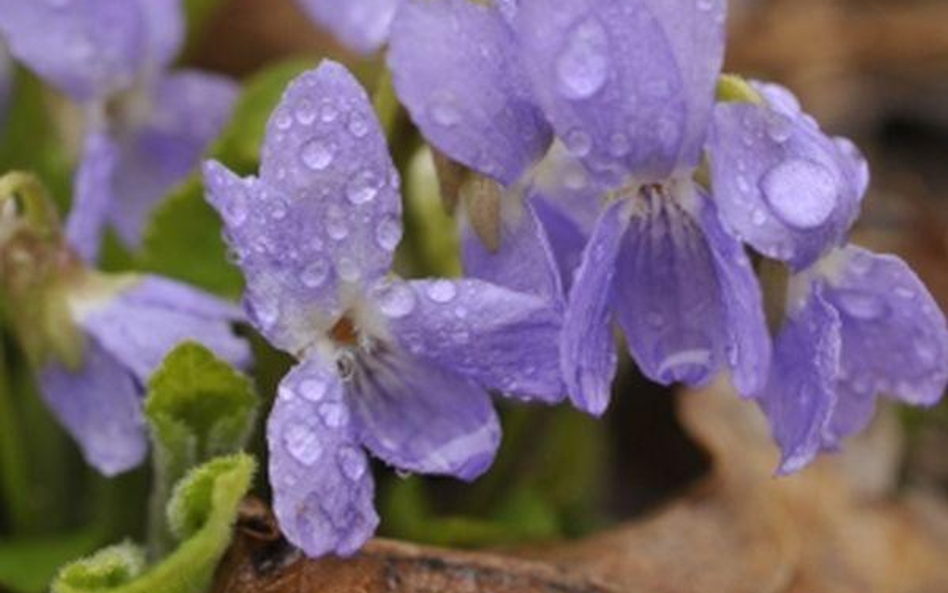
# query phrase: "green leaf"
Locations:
[[204, 507], [183, 238], [198, 407]]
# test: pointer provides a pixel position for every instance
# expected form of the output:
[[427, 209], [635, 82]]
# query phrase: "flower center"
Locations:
[[344, 333]]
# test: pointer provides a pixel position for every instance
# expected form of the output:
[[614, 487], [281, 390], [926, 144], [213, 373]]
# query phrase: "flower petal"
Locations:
[[895, 339], [363, 25], [801, 394], [455, 66], [524, 260], [99, 404], [420, 417], [145, 321], [780, 183], [668, 295], [322, 485], [747, 342], [92, 196], [87, 49], [189, 110], [164, 21], [587, 349], [627, 84], [325, 152], [494, 336]]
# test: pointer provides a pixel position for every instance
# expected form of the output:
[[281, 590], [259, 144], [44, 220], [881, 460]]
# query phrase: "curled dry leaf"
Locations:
[[835, 528]]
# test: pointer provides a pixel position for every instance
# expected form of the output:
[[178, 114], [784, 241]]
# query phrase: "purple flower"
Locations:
[[146, 127], [127, 325], [400, 368], [362, 25], [859, 326]]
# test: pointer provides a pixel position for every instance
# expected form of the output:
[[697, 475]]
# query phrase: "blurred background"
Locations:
[[873, 70]]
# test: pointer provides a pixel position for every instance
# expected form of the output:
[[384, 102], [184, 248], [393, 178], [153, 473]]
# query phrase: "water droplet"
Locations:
[[334, 414], [618, 145], [779, 127], [444, 110], [362, 187], [685, 357], [313, 389], [358, 126], [235, 211], [305, 114], [337, 229], [265, 311], [758, 217], [578, 142], [315, 274], [388, 233], [317, 155], [442, 291], [397, 301], [328, 113], [705, 5], [352, 462], [283, 120], [278, 209], [862, 305], [583, 63], [801, 192], [301, 442], [348, 269]]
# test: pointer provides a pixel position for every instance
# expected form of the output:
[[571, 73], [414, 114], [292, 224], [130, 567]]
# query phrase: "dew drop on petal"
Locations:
[[442, 291], [388, 233], [305, 112], [583, 63], [312, 389], [302, 444], [328, 113], [317, 155], [862, 305], [352, 462], [801, 192], [397, 301], [314, 275], [362, 187], [578, 142], [334, 414], [358, 127], [444, 111]]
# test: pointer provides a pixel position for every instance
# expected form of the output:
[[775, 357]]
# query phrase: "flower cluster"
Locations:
[[605, 173]]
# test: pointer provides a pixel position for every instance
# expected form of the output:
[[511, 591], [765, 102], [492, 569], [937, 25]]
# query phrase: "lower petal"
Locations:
[[422, 418], [322, 485], [99, 404], [800, 398], [587, 350]]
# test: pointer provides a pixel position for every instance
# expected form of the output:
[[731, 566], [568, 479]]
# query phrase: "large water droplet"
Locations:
[[862, 305], [362, 187], [334, 414], [317, 155], [305, 113], [801, 192], [301, 442], [442, 291], [583, 63], [337, 229]]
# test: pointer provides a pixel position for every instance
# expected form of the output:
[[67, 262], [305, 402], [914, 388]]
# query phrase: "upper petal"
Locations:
[[628, 84], [188, 111], [587, 349], [456, 67], [363, 25], [164, 24], [895, 340], [99, 405], [780, 183], [322, 484], [87, 49], [92, 196], [486, 333], [145, 321], [800, 396], [420, 417]]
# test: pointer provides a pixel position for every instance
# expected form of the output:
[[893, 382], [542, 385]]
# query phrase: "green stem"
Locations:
[[386, 104], [14, 478]]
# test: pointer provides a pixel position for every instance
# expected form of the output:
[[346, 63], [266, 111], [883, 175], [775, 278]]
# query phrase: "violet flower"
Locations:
[[94, 339], [401, 368], [859, 326], [146, 126], [362, 25]]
